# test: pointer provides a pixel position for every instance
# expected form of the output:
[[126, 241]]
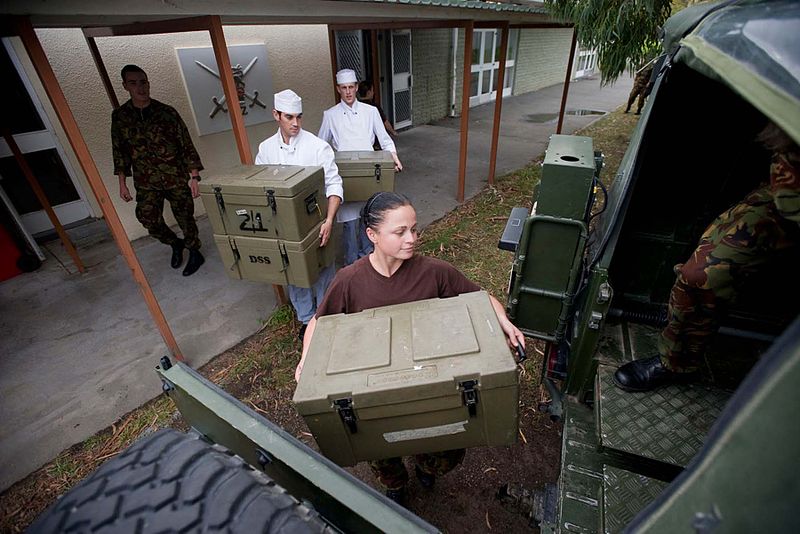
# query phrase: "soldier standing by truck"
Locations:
[[641, 87], [757, 230], [292, 145], [394, 274], [150, 138], [353, 125]]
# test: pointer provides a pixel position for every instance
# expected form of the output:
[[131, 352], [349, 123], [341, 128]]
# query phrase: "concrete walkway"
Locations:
[[77, 351]]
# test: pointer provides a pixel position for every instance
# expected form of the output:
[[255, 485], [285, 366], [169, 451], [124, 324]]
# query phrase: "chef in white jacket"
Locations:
[[292, 145], [353, 125]]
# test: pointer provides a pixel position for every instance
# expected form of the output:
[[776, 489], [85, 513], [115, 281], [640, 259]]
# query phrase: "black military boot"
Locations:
[[177, 254], [195, 261], [647, 374]]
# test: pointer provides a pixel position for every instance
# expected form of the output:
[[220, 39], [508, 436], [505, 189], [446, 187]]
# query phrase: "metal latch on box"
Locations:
[[235, 250], [469, 396], [271, 201], [345, 409], [377, 172], [218, 197], [284, 256]]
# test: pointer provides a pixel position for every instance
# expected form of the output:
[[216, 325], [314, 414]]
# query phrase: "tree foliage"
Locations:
[[625, 33]]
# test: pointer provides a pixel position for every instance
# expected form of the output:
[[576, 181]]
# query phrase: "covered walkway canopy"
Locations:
[[104, 18]]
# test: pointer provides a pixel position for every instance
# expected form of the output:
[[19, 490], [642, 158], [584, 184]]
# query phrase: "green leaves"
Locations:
[[625, 33]]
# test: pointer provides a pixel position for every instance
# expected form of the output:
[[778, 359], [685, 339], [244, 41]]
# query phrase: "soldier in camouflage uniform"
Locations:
[[641, 88], [757, 230], [151, 139]]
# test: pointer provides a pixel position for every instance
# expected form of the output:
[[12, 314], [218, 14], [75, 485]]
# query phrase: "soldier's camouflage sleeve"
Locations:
[[190, 156], [119, 146], [785, 185]]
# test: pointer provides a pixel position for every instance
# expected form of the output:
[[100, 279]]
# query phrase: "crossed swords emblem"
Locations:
[[238, 78]]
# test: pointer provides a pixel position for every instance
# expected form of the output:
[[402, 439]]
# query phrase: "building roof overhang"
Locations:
[[105, 13]]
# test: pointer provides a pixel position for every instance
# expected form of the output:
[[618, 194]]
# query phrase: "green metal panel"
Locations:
[[588, 324], [746, 477], [365, 172], [581, 481], [266, 201], [625, 494], [567, 174], [667, 425], [344, 501], [548, 260], [405, 371]]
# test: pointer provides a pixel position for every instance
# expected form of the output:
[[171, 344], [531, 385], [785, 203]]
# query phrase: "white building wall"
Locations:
[[298, 58]]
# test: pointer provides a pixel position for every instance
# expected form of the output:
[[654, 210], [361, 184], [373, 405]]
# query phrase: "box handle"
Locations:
[[311, 204], [521, 356], [345, 409]]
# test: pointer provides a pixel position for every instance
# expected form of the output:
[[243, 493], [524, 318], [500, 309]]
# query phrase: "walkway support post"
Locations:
[[566, 80], [498, 102], [462, 160]]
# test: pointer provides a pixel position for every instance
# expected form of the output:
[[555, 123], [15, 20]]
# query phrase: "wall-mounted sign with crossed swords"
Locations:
[[239, 74]]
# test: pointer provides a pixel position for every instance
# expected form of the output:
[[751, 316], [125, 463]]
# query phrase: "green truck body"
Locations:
[[718, 455]]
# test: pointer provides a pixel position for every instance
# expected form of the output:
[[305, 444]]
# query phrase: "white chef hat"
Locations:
[[287, 101], [346, 76]]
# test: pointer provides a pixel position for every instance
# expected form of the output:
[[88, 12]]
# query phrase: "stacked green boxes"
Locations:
[[419, 377], [365, 172], [548, 260], [266, 221]]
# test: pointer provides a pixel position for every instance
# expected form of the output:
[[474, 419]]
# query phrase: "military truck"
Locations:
[[592, 272]]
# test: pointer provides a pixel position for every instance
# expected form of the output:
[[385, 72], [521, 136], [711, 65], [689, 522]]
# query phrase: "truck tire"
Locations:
[[175, 482]]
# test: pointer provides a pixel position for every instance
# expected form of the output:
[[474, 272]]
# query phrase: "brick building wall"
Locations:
[[542, 58], [432, 67]]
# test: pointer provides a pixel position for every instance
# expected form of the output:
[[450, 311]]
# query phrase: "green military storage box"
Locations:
[[425, 376], [276, 261], [365, 172], [275, 201]]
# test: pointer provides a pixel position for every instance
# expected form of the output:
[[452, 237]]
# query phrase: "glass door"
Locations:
[[486, 65], [35, 137]]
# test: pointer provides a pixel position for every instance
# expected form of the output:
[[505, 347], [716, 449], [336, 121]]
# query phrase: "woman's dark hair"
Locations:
[[378, 204], [363, 88]]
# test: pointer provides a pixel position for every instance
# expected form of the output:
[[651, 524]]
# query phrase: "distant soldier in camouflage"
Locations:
[[757, 230], [641, 87], [151, 139]]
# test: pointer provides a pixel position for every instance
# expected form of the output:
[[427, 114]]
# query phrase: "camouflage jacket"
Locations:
[[153, 142], [785, 184]]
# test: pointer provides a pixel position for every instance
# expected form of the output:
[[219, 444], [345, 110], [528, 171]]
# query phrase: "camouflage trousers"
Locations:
[[392, 474], [640, 90], [733, 247], [150, 212]]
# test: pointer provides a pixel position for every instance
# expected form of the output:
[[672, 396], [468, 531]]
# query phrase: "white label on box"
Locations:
[[425, 433]]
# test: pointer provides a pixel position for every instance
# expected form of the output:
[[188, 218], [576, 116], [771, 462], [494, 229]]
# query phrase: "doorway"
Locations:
[[34, 134], [401, 78]]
